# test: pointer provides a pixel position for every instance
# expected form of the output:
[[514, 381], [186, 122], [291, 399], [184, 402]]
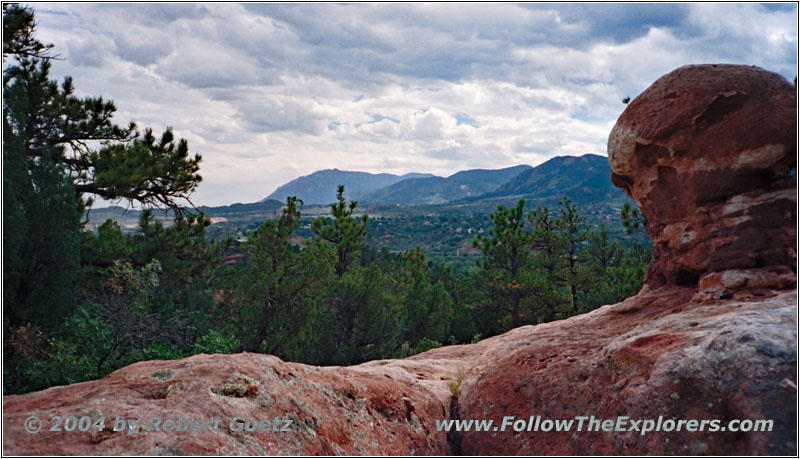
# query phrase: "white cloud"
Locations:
[[268, 92]]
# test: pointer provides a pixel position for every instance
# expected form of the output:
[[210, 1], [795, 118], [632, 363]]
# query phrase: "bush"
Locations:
[[215, 342]]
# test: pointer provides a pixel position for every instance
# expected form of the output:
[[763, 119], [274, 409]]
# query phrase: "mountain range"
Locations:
[[440, 190], [584, 179], [320, 187]]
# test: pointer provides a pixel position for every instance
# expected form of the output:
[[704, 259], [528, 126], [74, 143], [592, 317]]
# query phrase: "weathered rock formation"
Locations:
[[708, 152]]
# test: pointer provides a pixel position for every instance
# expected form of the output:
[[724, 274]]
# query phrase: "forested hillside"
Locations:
[[438, 190]]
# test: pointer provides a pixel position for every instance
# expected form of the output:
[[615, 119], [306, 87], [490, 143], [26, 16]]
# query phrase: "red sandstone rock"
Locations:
[[381, 407], [709, 154], [706, 152], [657, 354]]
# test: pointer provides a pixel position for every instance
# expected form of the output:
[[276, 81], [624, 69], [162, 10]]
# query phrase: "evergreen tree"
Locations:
[[362, 319], [572, 234], [428, 307], [50, 162], [345, 232], [600, 256], [507, 278], [549, 260], [41, 245], [19, 37], [46, 122], [631, 218], [60, 152], [273, 300], [187, 259]]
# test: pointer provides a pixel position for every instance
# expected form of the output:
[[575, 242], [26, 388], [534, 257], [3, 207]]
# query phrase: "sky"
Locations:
[[269, 92]]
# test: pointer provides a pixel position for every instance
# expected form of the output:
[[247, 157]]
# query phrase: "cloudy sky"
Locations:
[[269, 92]]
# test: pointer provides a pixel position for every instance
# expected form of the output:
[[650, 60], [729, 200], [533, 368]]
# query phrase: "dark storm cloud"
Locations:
[[619, 23]]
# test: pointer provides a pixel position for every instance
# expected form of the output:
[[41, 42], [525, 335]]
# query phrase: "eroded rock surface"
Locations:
[[657, 354], [379, 408], [709, 154]]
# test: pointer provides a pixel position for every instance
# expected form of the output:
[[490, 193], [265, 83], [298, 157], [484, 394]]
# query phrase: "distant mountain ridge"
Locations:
[[320, 187], [588, 175], [439, 190], [583, 179]]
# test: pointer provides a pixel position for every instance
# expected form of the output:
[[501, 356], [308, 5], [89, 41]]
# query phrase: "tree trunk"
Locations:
[[574, 299], [261, 331], [515, 320]]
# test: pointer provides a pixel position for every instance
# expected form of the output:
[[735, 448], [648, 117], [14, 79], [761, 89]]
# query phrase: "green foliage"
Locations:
[[505, 275], [19, 37], [561, 266], [216, 342], [407, 350], [631, 218], [119, 318], [186, 258], [152, 172], [41, 242], [454, 383], [463, 325], [80, 304], [112, 329], [362, 318], [86, 294], [274, 300], [64, 364], [48, 122], [345, 232], [428, 307], [571, 233]]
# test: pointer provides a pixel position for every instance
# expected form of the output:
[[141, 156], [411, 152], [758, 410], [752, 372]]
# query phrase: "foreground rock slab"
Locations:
[[378, 408], [659, 354], [654, 355]]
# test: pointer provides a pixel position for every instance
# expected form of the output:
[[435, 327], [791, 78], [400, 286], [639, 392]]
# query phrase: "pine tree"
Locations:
[[505, 266], [631, 218], [19, 37], [549, 260], [345, 232], [45, 121], [59, 153], [600, 256], [273, 300], [572, 234], [428, 307]]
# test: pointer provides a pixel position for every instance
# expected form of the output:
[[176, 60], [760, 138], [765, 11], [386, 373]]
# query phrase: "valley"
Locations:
[[440, 215]]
